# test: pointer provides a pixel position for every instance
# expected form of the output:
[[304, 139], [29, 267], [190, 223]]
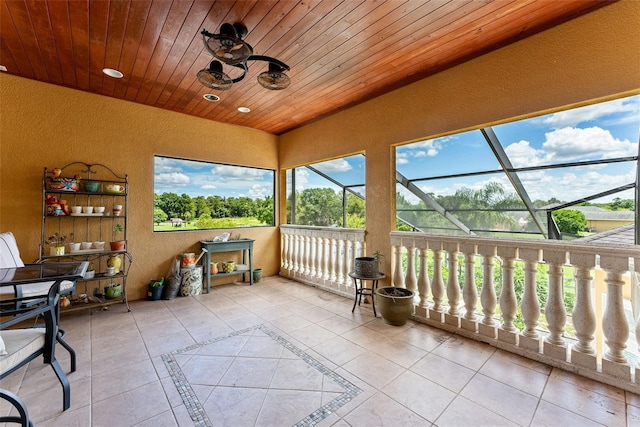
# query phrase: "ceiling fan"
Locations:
[[228, 47]]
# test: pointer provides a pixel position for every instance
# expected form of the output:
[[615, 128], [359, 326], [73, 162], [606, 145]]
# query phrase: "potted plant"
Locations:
[[113, 290], [56, 243], [395, 304], [117, 245], [368, 266], [155, 289]]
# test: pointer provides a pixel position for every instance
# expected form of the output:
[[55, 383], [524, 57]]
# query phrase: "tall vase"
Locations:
[[115, 262]]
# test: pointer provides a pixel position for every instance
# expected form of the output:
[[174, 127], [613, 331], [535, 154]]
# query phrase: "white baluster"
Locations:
[[583, 315], [488, 324], [319, 257], [340, 257], [312, 255], [411, 281], [614, 322], [453, 284], [469, 290], [508, 303], [424, 287], [326, 240], [530, 304], [332, 260], [285, 250], [348, 260], [437, 283], [398, 274], [296, 246], [554, 344]]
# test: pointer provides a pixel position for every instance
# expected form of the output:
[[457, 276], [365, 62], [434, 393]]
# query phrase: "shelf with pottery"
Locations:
[[84, 216], [243, 245]]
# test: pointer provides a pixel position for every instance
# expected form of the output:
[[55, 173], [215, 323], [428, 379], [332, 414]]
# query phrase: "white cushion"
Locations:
[[33, 289], [3, 349], [20, 344], [9, 252]]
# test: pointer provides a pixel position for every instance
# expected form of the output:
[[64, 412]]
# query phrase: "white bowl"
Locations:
[[76, 209], [98, 245], [87, 209], [74, 247], [86, 245], [98, 209]]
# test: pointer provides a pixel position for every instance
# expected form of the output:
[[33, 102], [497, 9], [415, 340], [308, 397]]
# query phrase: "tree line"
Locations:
[[187, 208]]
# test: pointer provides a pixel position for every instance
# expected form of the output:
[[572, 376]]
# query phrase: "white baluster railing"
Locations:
[[513, 271], [321, 256]]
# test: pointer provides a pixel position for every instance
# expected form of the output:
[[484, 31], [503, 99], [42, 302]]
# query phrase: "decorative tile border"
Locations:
[[199, 416]]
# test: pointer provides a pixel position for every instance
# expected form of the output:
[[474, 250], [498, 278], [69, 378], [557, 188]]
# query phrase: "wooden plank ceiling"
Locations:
[[341, 53]]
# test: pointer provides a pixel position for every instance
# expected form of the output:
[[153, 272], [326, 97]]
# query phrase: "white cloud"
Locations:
[[401, 158], [593, 112], [570, 144], [166, 165], [233, 173], [259, 191], [174, 178], [209, 186], [302, 179], [335, 165], [522, 154]]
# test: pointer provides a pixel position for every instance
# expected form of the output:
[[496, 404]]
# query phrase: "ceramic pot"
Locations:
[[117, 245], [214, 268], [228, 266], [113, 290], [257, 275], [155, 293], [56, 250], [366, 266], [395, 304], [115, 262]]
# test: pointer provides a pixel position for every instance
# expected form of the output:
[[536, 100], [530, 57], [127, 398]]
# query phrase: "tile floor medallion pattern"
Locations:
[[220, 365]]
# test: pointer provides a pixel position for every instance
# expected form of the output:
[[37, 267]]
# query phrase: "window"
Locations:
[[329, 193], [192, 195], [511, 179]]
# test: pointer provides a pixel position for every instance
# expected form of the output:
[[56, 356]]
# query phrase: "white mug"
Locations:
[[111, 271]]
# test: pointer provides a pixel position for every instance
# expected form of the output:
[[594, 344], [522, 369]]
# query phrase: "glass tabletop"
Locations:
[[33, 273]]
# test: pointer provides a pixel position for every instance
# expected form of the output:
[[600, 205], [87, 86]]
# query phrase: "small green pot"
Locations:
[[257, 275], [112, 292]]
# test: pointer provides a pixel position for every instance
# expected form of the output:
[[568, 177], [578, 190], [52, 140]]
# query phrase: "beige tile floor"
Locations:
[[279, 351]]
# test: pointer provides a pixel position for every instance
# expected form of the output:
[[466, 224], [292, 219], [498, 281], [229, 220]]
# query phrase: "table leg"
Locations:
[[355, 300], [374, 286], [207, 267]]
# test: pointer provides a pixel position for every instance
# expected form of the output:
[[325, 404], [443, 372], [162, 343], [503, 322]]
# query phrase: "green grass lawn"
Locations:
[[217, 223]]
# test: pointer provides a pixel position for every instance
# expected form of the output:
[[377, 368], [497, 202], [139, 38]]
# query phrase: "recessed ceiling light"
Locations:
[[211, 97], [244, 109], [3, 68], [113, 73]]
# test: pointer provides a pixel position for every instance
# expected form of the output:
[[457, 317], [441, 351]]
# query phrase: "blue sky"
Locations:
[[601, 131], [197, 178], [595, 132]]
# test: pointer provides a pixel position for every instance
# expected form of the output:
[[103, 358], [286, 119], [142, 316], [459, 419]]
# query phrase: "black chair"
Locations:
[[16, 402], [24, 344]]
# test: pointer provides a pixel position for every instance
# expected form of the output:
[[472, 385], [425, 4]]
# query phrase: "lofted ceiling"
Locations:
[[341, 53]]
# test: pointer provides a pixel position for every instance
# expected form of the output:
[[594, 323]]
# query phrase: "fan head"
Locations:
[[228, 46], [274, 78], [214, 78]]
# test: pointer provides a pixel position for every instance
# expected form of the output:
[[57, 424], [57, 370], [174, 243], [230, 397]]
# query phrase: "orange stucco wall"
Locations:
[[46, 125], [591, 57]]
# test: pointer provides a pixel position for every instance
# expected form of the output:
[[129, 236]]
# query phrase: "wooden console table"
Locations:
[[244, 245]]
